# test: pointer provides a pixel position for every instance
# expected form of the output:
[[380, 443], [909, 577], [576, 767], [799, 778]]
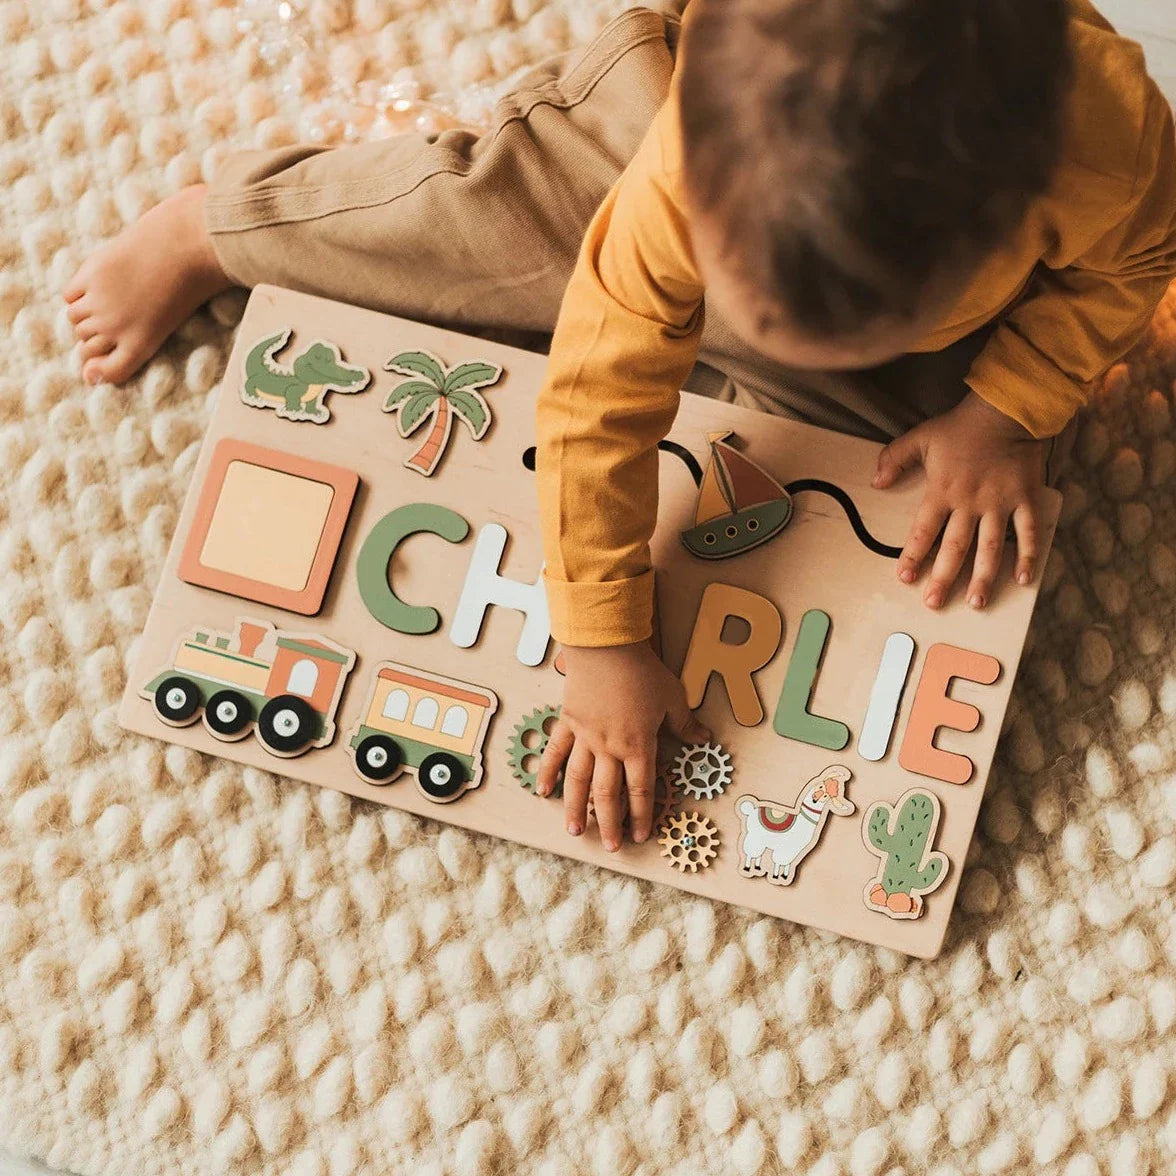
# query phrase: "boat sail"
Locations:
[[739, 507]]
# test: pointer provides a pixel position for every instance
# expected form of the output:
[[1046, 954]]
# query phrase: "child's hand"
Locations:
[[982, 468], [615, 701]]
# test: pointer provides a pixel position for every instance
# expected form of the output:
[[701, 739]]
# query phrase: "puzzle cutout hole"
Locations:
[[736, 631]]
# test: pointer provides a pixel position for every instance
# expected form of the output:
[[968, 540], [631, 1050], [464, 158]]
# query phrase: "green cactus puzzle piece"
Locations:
[[902, 835], [298, 391]]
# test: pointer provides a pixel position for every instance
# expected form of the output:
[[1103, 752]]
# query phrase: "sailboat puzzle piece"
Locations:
[[297, 391], [786, 833], [740, 505], [440, 394], [284, 687]]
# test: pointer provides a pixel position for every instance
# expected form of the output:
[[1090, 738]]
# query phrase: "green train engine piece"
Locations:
[[286, 698]]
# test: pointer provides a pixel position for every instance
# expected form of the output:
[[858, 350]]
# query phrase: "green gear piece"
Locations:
[[518, 751]]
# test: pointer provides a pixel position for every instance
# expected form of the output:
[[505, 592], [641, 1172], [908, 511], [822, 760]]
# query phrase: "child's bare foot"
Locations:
[[130, 294]]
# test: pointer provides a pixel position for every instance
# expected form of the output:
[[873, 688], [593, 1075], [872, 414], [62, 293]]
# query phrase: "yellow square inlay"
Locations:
[[267, 525]]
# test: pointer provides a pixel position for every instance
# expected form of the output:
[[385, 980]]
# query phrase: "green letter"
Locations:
[[793, 719], [371, 568]]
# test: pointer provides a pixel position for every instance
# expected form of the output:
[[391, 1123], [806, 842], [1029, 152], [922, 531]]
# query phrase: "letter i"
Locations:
[[886, 697]]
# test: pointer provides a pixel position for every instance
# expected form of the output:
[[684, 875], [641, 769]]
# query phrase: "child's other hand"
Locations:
[[982, 469], [615, 702]]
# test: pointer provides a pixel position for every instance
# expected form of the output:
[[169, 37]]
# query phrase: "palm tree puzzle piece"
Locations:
[[434, 391]]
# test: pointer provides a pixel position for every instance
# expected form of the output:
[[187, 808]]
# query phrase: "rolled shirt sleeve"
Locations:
[[626, 339]]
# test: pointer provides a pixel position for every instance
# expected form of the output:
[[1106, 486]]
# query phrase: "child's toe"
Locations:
[[115, 367], [76, 287], [77, 309], [96, 346]]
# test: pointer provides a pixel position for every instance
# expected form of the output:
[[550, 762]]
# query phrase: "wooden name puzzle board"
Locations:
[[353, 598]]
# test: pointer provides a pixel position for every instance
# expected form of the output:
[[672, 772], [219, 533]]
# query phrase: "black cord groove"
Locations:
[[851, 511]]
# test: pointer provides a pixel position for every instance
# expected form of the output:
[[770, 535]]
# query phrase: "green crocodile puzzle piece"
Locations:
[[297, 390]]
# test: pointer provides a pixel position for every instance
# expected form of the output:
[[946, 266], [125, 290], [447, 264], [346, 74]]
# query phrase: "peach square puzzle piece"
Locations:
[[268, 526]]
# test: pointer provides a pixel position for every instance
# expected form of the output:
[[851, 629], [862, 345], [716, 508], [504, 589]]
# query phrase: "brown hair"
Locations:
[[852, 149]]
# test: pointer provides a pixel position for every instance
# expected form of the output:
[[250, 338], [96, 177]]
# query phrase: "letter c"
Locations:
[[371, 568]]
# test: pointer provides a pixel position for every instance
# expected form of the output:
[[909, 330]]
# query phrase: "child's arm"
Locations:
[[625, 342], [1088, 303], [626, 339]]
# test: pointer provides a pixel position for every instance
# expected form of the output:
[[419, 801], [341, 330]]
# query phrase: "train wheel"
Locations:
[[286, 725], [378, 759], [227, 714], [441, 776], [176, 701]]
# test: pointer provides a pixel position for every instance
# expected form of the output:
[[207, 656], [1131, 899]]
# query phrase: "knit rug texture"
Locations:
[[209, 969]]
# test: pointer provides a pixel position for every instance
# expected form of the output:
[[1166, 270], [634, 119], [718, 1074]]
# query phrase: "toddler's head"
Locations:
[[849, 163]]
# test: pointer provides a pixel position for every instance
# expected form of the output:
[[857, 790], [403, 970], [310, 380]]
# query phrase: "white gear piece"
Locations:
[[703, 770]]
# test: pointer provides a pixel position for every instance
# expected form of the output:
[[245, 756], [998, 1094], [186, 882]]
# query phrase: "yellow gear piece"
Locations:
[[690, 841]]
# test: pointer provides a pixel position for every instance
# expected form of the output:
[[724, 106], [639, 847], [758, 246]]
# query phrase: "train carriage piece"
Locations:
[[431, 725], [283, 686]]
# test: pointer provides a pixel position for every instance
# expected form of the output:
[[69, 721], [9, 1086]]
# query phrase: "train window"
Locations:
[[396, 705], [303, 678], [455, 722], [425, 714]]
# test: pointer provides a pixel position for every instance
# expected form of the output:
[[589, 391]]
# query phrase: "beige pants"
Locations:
[[480, 232]]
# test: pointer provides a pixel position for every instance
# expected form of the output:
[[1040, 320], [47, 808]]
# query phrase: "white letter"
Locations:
[[484, 586], [878, 725]]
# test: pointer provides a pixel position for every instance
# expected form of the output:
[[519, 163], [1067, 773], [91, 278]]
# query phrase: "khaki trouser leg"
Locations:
[[457, 229]]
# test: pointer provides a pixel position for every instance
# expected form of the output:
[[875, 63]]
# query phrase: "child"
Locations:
[[915, 219]]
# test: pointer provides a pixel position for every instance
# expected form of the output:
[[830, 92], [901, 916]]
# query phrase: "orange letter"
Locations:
[[933, 708], [734, 662]]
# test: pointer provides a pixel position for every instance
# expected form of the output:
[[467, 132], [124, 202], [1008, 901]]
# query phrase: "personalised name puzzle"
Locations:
[[353, 598]]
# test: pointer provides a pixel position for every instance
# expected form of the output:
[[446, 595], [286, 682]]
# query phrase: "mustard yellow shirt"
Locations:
[[1072, 290]]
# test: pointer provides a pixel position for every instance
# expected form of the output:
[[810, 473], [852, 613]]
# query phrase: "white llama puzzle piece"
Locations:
[[785, 834]]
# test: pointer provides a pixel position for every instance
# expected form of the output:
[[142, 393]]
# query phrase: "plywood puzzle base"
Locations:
[[411, 677]]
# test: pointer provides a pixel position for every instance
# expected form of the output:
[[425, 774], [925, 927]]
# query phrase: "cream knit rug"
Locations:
[[206, 969]]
